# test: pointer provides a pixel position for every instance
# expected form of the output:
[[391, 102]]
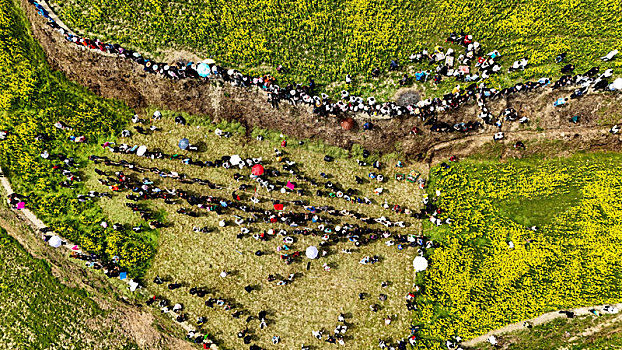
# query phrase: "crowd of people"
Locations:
[[242, 206], [426, 110], [332, 225]]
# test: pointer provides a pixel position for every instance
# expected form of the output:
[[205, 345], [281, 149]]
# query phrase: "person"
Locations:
[[404, 80], [610, 309], [560, 57], [609, 56], [614, 129], [394, 65], [567, 68], [493, 340], [560, 102], [179, 120], [275, 339], [348, 79]]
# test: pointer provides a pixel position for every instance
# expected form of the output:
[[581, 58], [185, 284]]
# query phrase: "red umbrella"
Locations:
[[257, 170], [278, 207]]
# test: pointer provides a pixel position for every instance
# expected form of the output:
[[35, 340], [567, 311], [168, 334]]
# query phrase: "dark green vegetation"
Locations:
[[32, 100], [327, 39], [38, 312]]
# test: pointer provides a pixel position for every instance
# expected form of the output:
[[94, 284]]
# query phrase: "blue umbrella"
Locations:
[[184, 143], [204, 70]]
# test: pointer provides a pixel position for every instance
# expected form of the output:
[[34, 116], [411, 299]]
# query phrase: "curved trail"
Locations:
[[472, 142], [35, 222], [544, 318]]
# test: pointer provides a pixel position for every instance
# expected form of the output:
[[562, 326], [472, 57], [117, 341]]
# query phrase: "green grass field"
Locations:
[[39, 312], [330, 38], [316, 297]]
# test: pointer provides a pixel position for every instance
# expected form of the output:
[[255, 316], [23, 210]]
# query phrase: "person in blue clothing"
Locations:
[[560, 102]]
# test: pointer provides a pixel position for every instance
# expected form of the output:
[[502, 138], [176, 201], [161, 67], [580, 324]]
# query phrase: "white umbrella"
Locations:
[[55, 241], [141, 151], [420, 263], [617, 84], [312, 252], [209, 61], [235, 159]]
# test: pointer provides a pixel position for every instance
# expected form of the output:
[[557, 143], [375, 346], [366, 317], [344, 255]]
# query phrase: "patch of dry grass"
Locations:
[[316, 297]]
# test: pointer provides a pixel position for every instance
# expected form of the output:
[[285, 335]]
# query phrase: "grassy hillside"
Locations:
[[327, 39], [32, 100], [38, 312]]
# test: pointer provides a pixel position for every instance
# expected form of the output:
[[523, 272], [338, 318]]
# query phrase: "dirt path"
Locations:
[[141, 322], [544, 318], [470, 144], [598, 327]]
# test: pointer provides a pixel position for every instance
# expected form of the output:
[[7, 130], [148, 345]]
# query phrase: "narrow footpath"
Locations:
[[37, 224]]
